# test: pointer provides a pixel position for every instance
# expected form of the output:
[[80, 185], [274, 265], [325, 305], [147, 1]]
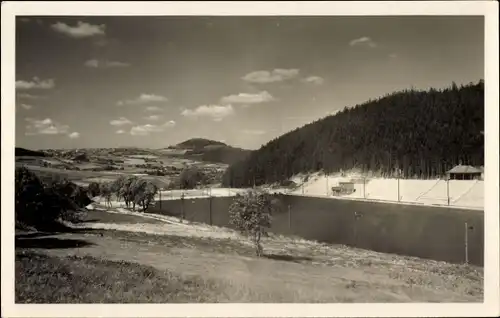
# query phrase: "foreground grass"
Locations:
[[45, 279]]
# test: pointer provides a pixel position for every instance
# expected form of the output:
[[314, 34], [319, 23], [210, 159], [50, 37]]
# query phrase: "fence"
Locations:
[[459, 193], [452, 235]]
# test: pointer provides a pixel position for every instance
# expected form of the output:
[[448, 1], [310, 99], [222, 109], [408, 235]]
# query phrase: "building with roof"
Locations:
[[462, 172]]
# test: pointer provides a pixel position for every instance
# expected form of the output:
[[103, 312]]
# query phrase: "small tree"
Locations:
[[94, 189], [144, 193], [251, 214], [190, 177]]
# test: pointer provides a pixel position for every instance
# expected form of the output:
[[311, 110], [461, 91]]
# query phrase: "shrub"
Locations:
[[94, 189], [41, 205], [251, 214]]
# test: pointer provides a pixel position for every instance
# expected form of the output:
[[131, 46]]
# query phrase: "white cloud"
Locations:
[[94, 63], [35, 83], [169, 123], [363, 41], [316, 80], [74, 135], [276, 75], [121, 131], [26, 106], [245, 98], [29, 96], [216, 112], [253, 132], [144, 130], [154, 109], [152, 117], [45, 127], [120, 121], [80, 30], [144, 99]]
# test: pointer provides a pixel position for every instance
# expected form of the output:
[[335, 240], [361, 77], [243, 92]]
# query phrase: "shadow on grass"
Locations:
[[50, 243], [288, 258]]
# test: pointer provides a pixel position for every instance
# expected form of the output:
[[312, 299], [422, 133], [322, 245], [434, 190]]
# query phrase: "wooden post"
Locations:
[[326, 183], [289, 218], [182, 208], [448, 191], [466, 244], [210, 209], [364, 187], [398, 187]]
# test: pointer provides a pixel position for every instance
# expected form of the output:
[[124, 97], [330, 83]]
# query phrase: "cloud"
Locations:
[[80, 30], [170, 123], [245, 98], [94, 63], [35, 83], [253, 132], [316, 80], [121, 131], [74, 135], [26, 106], [276, 75], [216, 112], [120, 121], [45, 127], [363, 41], [152, 117], [144, 130], [153, 109], [393, 55], [29, 96], [144, 99]]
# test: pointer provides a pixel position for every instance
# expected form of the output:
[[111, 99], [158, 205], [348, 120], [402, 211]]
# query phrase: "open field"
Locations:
[[170, 261]]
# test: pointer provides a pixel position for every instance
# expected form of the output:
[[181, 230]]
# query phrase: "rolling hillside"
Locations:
[[208, 150], [420, 133]]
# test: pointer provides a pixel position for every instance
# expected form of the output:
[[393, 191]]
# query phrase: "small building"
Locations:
[[462, 172]]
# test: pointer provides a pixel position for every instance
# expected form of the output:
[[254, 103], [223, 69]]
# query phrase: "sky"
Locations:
[[89, 82]]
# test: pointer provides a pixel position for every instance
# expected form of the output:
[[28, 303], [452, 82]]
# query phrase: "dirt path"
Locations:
[[253, 278]]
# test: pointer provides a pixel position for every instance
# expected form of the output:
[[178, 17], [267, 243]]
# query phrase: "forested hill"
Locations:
[[423, 133]]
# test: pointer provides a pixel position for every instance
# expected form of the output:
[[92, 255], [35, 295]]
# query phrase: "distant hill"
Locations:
[[28, 153], [419, 133], [199, 143], [210, 150]]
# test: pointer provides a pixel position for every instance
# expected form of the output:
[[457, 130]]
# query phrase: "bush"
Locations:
[[41, 205], [251, 214], [94, 189]]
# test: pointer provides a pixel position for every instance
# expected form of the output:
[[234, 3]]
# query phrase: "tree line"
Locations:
[[411, 133]]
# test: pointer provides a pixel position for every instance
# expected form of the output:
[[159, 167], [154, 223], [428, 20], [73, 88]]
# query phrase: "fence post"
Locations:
[[448, 191], [182, 208], [160, 199], [326, 183], [289, 218], [364, 187], [398, 188], [210, 209], [466, 244]]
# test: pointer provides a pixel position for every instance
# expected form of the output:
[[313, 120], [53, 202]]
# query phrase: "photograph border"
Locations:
[[488, 9]]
